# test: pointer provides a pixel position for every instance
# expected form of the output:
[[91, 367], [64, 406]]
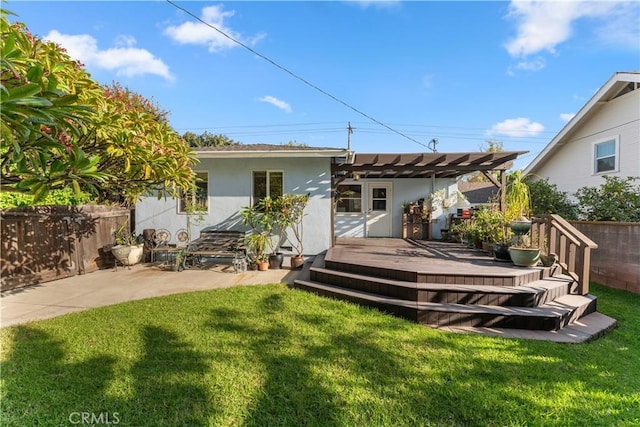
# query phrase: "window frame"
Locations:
[[254, 198], [361, 198], [616, 155], [180, 204]]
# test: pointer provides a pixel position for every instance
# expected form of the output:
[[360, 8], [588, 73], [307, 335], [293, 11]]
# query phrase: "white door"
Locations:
[[379, 210]]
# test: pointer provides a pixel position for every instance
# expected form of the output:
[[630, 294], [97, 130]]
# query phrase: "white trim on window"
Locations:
[[600, 162], [350, 203], [268, 172]]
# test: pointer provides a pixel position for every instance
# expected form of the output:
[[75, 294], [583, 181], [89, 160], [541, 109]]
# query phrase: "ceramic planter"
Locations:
[[127, 255], [276, 260], [520, 228], [501, 252], [525, 257], [548, 260]]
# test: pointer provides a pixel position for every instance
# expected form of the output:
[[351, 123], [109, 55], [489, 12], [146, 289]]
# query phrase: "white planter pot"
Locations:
[[135, 256], [127, 255]]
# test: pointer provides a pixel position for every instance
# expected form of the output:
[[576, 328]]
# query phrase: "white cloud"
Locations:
[[125, 59], [202, 34], [543, 25], [364, 4], [284, 106], [516, 128], [567, 116]]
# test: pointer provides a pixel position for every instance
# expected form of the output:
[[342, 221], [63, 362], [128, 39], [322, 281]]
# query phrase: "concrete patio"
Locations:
[[107, 287]]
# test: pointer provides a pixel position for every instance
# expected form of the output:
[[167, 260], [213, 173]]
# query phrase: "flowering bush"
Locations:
[[617, 199]]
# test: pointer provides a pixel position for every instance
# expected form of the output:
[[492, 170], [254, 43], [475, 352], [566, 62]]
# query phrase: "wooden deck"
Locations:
[[430, 262], [450, 286]]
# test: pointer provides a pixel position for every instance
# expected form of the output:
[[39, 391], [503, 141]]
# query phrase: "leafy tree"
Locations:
[[61, 129], [617, 199], [547, 199], [138, 149], [492, 146], [207, 139], [44, 100], [294, 143]]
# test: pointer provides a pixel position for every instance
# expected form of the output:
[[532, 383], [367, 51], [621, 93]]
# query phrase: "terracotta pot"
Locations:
[[297, 261], [263, 265]]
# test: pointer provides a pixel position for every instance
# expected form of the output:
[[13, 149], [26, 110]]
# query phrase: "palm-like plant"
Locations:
[[517, 197]]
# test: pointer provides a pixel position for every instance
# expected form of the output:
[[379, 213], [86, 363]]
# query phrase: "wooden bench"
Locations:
[[213, 243]]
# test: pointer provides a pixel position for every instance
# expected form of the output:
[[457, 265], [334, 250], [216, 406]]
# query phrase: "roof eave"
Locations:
[[271, 154]]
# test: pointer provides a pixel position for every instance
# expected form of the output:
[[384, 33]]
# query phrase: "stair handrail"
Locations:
[[571, 246]]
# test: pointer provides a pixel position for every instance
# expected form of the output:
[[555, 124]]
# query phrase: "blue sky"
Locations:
[[460, 72]]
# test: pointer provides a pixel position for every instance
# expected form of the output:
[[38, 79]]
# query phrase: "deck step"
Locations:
[[551, 316], [531, 295], [517, 277], [585, 329]]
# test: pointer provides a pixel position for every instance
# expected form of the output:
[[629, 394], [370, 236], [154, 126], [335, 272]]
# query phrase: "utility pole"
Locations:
[[432, 145], [349, 132]]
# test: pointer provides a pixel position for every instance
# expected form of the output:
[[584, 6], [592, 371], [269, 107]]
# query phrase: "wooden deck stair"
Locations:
[[535, 303]]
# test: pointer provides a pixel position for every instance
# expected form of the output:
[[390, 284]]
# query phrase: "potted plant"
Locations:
[[266, 219], [128, 250], [523, 253], [257, 244], [518, 201], [547, 259], [292, 208], [499, 234], [489, 222]]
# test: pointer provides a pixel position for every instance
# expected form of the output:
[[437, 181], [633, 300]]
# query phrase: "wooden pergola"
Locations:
[[426, 165]]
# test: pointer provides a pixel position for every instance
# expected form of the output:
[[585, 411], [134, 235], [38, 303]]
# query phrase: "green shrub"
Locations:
[[617, 199], [65, 197], [547, 199]]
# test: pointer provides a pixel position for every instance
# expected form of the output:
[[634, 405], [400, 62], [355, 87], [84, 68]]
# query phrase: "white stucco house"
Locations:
[[352, 195], [603, 138]]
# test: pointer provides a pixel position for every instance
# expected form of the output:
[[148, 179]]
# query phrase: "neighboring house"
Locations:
[[354, 195], [478, 193], [603, 138]]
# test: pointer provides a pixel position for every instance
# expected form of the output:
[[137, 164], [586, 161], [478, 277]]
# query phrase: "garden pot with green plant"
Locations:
[[292, 208], [128, 250], [266, 220], [546, 258], [523, 253], [257, 244], [518, 203]]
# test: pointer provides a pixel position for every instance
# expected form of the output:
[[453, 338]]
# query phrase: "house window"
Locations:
[[349, 198], [267, 183], [196, 200], [606, 156]]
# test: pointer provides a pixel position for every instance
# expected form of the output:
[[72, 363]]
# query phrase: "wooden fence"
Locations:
[[45, 243]]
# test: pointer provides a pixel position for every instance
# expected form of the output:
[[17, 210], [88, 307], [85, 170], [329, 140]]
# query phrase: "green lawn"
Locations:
[[267, 355]]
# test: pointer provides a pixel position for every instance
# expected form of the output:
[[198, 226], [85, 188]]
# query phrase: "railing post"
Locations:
[[585, 268]]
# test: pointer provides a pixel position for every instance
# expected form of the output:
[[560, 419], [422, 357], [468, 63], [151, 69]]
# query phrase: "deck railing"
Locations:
[[554, 235]]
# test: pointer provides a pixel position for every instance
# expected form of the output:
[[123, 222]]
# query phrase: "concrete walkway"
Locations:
[[107, 287]]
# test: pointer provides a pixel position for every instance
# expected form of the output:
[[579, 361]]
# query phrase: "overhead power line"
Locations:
[[294, 75]]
